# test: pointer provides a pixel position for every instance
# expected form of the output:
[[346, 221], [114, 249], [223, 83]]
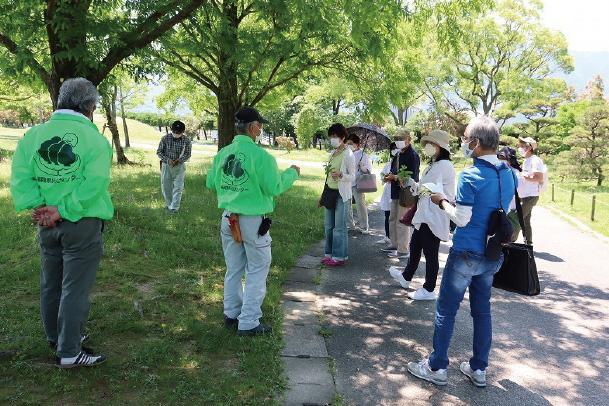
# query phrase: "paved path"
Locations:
[[552, 349]]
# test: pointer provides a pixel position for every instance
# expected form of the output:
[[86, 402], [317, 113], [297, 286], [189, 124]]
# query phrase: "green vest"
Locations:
[[246, 178], [64, 162]]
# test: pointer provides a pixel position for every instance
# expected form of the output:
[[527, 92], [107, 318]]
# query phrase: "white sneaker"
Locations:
[[365, 232], [398, 255], [396, 273], [423, 371], [384, 240], [422, 294], [477, 377]]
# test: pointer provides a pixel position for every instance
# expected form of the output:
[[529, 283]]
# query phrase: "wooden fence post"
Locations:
[[572, 196], [593, 207], [552, 192]]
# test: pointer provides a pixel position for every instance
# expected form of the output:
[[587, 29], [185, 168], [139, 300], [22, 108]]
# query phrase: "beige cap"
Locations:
[[530, 141], [438, 137]]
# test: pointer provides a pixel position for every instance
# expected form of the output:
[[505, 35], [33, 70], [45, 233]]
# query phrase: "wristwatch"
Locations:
[[440, 203]]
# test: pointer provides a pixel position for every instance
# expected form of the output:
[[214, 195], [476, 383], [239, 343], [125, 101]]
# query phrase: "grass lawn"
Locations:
[[582, 203], [157, 303]]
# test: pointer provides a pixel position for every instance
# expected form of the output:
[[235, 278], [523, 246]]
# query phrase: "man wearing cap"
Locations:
[[246, 180], [174, 150], [529, 187]]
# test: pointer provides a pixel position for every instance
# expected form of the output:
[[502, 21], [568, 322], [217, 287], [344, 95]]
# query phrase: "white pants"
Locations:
[[172, 184], [398, 232], [362, 211], [251, 257]]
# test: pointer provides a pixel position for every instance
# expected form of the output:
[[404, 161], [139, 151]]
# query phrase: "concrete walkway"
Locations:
[[552, 349]]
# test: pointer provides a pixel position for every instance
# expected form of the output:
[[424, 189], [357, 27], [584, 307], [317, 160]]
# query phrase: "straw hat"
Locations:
[[530, 141], [438, 137]]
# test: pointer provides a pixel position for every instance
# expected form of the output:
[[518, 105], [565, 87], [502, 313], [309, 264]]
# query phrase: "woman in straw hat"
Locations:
[[431, 225]]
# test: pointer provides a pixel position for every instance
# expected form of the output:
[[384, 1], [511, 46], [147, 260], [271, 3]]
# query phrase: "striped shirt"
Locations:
[[171, 148]]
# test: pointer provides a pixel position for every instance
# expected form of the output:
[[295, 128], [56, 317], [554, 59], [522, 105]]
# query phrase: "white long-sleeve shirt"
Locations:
[[362, 163]]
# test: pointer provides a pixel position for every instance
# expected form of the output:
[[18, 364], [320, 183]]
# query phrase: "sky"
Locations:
[[584, 23]]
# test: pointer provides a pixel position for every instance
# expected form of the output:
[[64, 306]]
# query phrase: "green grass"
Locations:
[[582, 204], [157, 303]]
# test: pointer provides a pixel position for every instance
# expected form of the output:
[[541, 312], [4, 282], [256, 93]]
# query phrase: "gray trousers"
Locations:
[[362, 211], [172, 184], [527, 210], [70, 255], [251, 258]]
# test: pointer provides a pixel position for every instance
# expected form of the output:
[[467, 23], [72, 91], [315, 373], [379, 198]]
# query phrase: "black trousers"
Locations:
[[387, 214], [423, 240]]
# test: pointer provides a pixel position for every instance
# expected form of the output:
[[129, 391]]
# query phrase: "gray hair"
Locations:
[[485, 130], [242, 127], [78, 94]]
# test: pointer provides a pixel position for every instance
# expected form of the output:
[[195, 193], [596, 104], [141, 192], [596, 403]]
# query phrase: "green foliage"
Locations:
[[310, 120]]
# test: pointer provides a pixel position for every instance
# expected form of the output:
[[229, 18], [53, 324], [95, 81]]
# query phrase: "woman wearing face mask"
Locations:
[[430, 223], [363, 165], [386, 196], [341, 174]]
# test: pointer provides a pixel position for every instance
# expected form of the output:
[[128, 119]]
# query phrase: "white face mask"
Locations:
[[334, 141], [465, 149], [522, 151], [176, 135], [400, 144], [258, 138], [430, 150], [394, 152]]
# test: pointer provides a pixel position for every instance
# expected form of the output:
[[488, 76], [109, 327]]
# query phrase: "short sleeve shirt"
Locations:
[[478, 188], [529, 188]]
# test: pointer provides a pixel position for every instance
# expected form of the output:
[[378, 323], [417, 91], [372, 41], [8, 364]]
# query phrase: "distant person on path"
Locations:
[[400, 233], [430, 222], [340, 174], [532, 177], [61, 169], [174, 150], [479, 194], [246, 180], [363, 165], [385, 204]]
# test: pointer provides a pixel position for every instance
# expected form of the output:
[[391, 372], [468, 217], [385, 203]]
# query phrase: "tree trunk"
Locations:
[[125, 128], [109, 106]]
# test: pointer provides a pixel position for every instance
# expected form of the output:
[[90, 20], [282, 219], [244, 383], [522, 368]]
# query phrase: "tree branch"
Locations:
[[31, 61]]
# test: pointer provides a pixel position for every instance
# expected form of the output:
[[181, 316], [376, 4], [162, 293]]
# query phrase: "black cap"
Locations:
[[248, 115], [178, 127]]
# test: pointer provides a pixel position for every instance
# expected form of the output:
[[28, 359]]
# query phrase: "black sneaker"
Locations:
[[83, 359], [230, 323], [256, 331]]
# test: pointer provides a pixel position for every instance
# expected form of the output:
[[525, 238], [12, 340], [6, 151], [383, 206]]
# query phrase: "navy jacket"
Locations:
[[411, 160]]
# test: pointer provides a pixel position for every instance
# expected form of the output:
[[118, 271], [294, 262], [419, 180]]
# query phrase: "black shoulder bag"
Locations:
[[499, 230], [518, 273]]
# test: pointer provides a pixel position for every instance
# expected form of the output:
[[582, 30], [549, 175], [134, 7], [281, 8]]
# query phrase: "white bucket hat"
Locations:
[[438, 137]]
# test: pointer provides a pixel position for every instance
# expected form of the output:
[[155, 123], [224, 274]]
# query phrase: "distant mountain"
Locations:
[[588, 65]]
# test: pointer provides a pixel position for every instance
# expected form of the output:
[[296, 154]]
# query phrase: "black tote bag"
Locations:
[[518, 272]]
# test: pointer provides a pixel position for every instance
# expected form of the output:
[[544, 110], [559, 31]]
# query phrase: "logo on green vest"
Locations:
[[234, 173], [56, 157]]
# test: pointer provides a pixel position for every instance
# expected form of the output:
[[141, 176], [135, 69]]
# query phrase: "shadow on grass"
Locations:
[[157, 303]]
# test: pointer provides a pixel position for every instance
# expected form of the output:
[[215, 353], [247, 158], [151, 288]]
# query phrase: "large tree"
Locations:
[[242, 50], [58, 39], [501, 60]]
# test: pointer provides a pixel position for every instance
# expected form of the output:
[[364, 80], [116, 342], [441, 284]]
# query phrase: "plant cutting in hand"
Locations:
[[327, 168], [404, 174]]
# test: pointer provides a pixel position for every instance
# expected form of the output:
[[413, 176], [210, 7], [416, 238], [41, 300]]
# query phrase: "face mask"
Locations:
[[176, 135], [429, 150], [258, 138], [465, 149], [334, 142], [351, 147], [400, 144], [522, 151], [394, 152]]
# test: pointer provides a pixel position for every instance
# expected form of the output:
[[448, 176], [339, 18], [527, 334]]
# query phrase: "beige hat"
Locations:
[[530, 141], [438, 137]]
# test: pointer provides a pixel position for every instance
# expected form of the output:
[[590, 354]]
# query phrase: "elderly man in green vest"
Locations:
[[61, 169], [246, 179]]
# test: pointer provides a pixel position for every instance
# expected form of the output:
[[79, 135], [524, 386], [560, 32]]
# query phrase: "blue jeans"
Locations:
[[463, 270], [336, 231]]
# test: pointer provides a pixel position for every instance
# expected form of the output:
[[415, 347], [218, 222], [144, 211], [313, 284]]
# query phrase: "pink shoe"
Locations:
[[333, 262], [325, 260]]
